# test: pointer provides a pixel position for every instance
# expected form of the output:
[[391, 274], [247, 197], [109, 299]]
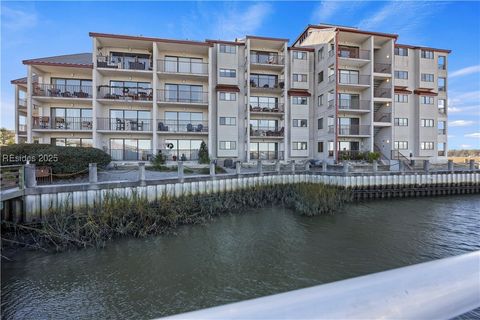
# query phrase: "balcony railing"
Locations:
[[266, 131], [353, 130], [62, 123], [442, 131], [266, 155], [124, 124], [130, 154], [125, 93], [165, 125], [354, 54], [441, 153], [183, 67], [347, 104], [442, 88], [62, 91], [275, 59], [266, 107], [127, 63], [382, 117], [22, 103], [382, 67], [181, 154], [382, 92], [331, 53], [354, 79], [22, 128], [182, 96], [269, 85], [441, 110], [331, 103], [331, 78], [442, 67], [331, 129]]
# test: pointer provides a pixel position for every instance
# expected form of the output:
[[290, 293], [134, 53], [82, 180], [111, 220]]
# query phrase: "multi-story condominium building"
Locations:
[[336, 91]]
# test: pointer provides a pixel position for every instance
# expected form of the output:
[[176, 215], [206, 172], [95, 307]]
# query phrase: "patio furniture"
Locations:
[[53, 92], [80, 94], [190, 127], [136, 65], [162, 127], [199, 128], [119, 124], [86, 124]]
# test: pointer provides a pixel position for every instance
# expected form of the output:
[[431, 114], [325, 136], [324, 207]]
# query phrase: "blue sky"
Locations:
[[39, 29]]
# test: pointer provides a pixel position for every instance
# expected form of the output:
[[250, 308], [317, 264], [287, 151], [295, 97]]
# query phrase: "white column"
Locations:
[[286, 121], [154, 102], [29, 103], [95, 104], [212, 123], [16, 113]]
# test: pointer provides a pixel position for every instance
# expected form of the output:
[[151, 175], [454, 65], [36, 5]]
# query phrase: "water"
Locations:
[[237, 257]]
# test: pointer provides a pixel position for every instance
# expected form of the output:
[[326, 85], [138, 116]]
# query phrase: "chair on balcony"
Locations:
[[44, 122], [199, 128], [66, 94], [190, 127], [136, 65], [119, 124], [87, 125], [53, 92], [80, 94], [162, 127]]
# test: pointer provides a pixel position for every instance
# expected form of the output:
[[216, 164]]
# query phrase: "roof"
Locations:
[[299, 93], [126, 37], [78, 60], [267, 38], [419, 47], [19, 81]]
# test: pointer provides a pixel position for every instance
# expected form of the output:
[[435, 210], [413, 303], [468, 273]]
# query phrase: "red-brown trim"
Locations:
[[125, 37], [227, 87], [268, 38], [425, 92], [233, 43], [19, 81], [56, 64], [404, 90], [298, 93], [422, 48], [301, 49]]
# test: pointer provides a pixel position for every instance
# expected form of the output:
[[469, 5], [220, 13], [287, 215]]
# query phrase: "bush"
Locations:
[[203, 153], [159, 160], [360, 156], [61, 159]]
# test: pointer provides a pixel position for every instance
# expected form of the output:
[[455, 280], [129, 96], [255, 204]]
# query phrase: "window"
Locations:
[[427, 77], [182, 122], [182, 149], [299, 145], [261, 103], [184, 65], [426, 122], [264, 125], [426, 145], [401, 74], [442, 84], [442, 103], [320, 124], [263, 80], [320, 146], [228, 73], [72, 142], [320, 100], [300, 100], [228, 96], [264, 150], [331, 148], [442, 62], [401, 122], [400, 145], [228, 121], [228, 145], [426, 100], [427, 54], [300, 55], [441, 149], [349, 76], [442, 127], [402, 98], [297, 77], [225, 48], [72, 86], [320, 76], [300, 123], [320, 54], [184, 93], [130, 149], [401, 51]]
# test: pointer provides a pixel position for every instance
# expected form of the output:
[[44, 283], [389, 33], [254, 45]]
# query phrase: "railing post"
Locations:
[[345, 168], [426, 166], [21, 177], [472, 165], [259, 167], [278, 167], [238, 168], [324, 166], [375, 166], [401, 166], [307, 166], [92, 175], [212, 169], [30, 177], [180, 169], [292, 164], [450, 166]]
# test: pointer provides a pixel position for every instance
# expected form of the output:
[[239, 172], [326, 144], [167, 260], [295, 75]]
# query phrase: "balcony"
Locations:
[[182, 96], [441, 153], [353, 130], [22, 103], [181, 154], [267, 59], [442, 66], [62, 91], [354, 105], [382, 67], [382, 117], [124, 93], [266, 107], [124, 63], [272, 132], [350, 79], [331, 104], [62, 123], [442, 131], [266, 155], [185, 126], [124, 124], [353, 53], [130, 154], [385, 93], [182, 67], [22, 129], [270, 86], [331, 129], [331, 78], [442, 111]]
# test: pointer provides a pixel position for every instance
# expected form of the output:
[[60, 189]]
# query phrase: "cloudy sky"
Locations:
[[39, 29]]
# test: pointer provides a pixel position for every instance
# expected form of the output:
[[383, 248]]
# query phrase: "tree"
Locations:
[[203, 153], [6, 137]]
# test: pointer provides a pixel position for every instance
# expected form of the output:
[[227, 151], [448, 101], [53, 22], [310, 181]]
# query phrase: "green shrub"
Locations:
[[61, 159], [373, 156], [159, 160], [203, 153]]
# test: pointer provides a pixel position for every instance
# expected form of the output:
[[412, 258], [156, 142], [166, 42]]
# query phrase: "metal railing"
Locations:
[[382, 92], [124, 93], [442, 110], [186, 67], [267, 84], [182, 96], [331, 78], [353, 130], [442, 67], [22, 103], [382, 67], [260, 131], [259, 58], [441, 153], [442, 88], [165, 125], [124, 124], [382, 117], [331, 129], [22, 128], [354, 54], [128, 63], [266, 107], [62, 91], [348, 104], [439, 289], [353, 79], [442, 131], [130, 154], [331, 103], [62, 123]]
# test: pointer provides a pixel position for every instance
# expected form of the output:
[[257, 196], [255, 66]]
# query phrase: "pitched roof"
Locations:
[[19, 81], [79, 60]]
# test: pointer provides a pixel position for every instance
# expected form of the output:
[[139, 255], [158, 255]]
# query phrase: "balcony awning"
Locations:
[[227, 87], [299, 93], [403, 90], [425, 92]]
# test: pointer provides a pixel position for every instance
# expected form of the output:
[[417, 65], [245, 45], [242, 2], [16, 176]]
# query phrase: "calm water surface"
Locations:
[[236, 257]]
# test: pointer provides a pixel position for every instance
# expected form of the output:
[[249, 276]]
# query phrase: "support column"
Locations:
[[375, 166], [278, 166], [472, 165], [259, 167], [181, 174], [324, 166], [30, 178], [141, 173], [426, 166], [345, 168], [292, 168], [450, 166], [238, 168], [212, 169]]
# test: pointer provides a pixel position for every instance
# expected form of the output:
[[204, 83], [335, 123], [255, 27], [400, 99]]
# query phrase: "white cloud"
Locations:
[[465, 146], [325, 10], [465, 71], [473, 135], [16, 19], [460, 123], [237, 24]]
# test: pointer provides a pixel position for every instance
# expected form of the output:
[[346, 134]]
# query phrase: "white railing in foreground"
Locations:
[[440, 289]]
